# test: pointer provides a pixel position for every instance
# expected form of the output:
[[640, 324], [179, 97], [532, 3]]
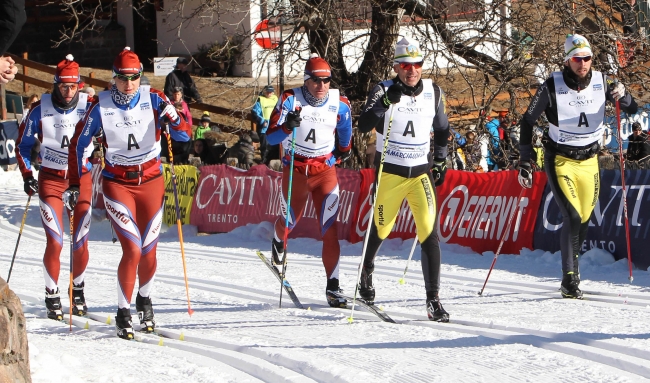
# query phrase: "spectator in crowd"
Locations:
[[202, 153], [179, 77], [476, 151], [455, 152], [638, 147], [371, 149], [243, 151], [204, 126], [89, 90], [177, 98], [262, 113], [493, 148], [28, 105]]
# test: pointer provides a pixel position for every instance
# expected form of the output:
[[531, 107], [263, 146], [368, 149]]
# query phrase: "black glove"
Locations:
[[293, 120], [31, 186], [438, 170], [70, 197], [525, 174], [393, 94], [342, 156]]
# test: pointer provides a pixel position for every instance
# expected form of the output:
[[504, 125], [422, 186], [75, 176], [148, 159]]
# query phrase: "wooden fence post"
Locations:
[[25, 72], [91, 75]]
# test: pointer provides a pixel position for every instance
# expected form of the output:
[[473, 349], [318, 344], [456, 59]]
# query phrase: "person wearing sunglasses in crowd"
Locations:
[[127, 121], [321, 120], [52, 121], [574, 103], [411, 107]]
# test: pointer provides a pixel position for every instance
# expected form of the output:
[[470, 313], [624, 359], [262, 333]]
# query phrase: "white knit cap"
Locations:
[[576, 46], [407, 51]]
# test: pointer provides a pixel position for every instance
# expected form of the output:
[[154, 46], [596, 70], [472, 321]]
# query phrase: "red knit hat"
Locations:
[[127, 62], [317, 67], [67, 71]]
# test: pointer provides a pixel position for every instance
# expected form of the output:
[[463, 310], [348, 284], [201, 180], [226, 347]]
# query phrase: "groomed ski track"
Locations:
[[237, 323]]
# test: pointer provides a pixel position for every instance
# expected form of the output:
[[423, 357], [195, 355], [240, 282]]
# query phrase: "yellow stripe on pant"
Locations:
[[419, 193], [579, 182]]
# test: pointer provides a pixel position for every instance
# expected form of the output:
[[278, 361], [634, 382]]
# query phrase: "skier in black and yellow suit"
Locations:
[[574, 103], [416, 107]]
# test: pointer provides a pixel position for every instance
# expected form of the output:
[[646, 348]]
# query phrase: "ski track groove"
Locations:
[[240, 358], [594, 350]]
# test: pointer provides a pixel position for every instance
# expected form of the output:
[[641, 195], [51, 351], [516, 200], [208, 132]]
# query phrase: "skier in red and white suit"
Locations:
[[127, 120], [316, 112], [52, 121]]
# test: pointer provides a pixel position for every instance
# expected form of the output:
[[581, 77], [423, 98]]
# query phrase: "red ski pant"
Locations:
[[321, 182], [136, 214], [50, 190]]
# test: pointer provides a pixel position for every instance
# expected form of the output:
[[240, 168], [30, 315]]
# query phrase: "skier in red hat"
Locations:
[[128, 120], [52, 121]]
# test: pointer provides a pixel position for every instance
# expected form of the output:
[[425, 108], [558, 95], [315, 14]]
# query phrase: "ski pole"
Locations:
[[178, 219], [101, 152], [286, 220], [71, 262], [503, 239], [415, 242], [20, 233], [622, 162], [372, 211]]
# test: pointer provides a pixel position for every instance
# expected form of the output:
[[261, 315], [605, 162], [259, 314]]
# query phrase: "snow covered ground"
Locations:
[[520, 330]]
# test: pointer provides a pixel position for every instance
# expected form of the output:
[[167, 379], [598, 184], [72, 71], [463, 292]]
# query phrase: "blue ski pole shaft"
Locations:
[[286, 221]]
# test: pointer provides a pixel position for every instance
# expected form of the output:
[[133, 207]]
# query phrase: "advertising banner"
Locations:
[[606, 225], [474, 210], [187, 178], [227, 198], [8, 136]]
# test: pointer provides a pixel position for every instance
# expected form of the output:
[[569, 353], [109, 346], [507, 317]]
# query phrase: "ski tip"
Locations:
[[87, 326], [182, 337], [108, 320], [350, 319], [160, 342], [308, 308], [381, 308], [401, 281]]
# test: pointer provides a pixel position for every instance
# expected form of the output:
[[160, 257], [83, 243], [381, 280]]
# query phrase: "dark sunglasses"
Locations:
[[579, 59], [318, 80], [408, 66], [123, 77]]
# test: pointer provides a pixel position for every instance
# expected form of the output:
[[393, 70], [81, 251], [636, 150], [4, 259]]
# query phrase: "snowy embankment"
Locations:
[[519, 330]]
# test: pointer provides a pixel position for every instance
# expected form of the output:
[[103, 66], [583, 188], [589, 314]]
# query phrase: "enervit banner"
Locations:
[[228, 197], [474, 210], [606, 225], [187, 178]]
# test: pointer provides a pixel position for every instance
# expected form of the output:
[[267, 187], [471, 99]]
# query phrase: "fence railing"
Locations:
[[91, 80]]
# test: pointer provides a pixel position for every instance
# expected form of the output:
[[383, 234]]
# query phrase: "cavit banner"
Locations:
[[606, 225], [187, 178], [474, 210], [227, 198]]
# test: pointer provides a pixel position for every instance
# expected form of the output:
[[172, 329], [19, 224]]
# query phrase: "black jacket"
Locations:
[[12, 19], [638, 147], [178, 78]]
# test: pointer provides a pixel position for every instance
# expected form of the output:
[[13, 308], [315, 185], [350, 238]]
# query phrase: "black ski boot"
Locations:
[[333, 300], [569, 287], [144, 307], [277, 252], [366, 289], [53, 304], [435, 312], [79, 307], [123, 324]]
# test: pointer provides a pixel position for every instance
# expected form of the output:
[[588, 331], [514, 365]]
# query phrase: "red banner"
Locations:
[[474, 210], [228, 197]]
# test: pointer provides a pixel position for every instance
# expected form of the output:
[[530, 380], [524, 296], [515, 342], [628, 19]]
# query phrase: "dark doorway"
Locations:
[[144, 30]]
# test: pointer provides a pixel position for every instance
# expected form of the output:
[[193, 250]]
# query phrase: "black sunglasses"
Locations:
[[123, 77], [318, 80]]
